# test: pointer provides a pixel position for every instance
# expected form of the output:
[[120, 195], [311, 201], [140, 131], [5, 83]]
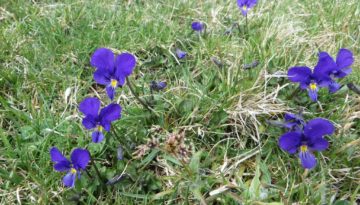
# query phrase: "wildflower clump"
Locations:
[[324, 74]]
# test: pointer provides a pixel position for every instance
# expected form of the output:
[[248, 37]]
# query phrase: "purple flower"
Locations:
[[307, 140], [79, 160], [180, 54], [293, 121], [112, 70], [246, 5], [336, 69], [157, 86], [197, 26], [311, 80], [101, 121]]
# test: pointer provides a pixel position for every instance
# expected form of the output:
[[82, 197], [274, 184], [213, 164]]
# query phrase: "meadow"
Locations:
[[211, 136]]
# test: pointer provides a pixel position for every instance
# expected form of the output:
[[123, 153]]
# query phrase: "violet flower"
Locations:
[[101, 121], [246, 5], [197, 26], [311, 80], [336, 69], [79, 160], [180, 54], [112, 70], [308, 140], [157, 86], [293, 121]]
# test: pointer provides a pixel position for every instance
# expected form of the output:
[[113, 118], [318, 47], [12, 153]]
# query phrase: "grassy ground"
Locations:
[[232, 154]]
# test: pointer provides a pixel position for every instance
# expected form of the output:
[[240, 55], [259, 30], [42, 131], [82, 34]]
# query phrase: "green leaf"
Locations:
[[218, 117], [265, 174], [199, 196], [172, 159], [139, 196], [195, 162], [27, 132], [149, 158], [161, 195], [254, 189], [186, 106], [342, 202]]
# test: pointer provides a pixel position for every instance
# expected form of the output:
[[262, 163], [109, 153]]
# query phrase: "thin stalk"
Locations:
[[88, 173], [116, 134], [137, 96], [182, 161], [152, 96], [294, 93], [238, 27], [97, 171], [246, 24]]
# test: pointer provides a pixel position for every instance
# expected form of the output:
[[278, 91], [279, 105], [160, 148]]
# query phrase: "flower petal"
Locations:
[[241, 3], [62, 166], [97, 137], [106, 125], [244, 11], [290, 116], [313, 94], [56, 155], [110, 91], [180, 54], [325, 66], [110, 113], [69, 179], [343, 73], [102, 76], [319, 144], [103, 58], [197, 26], [62, 163], [325, 82], [252, 3], [290, 141], [299, 74], [247, 3], [157, 85], [308, 160], [292, 126], [333, 87], [89, 122], [80, 158], [304, 85], [90, 106], [318, 127], [125, 64], [344, 58]]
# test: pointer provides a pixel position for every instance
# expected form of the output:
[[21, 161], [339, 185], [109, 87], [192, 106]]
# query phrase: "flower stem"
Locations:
[[143, 103], [246, 24], [97, 171], [294, 93], [88, 173], [116, 134]]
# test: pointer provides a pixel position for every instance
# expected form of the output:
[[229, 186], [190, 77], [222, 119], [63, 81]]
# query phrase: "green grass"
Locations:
[[45, 48]]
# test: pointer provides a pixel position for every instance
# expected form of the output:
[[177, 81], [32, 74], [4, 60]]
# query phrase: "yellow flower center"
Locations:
[[313, 86], [245, 7], [114, 83], [73, 171], [303, 148], [100, 128]]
